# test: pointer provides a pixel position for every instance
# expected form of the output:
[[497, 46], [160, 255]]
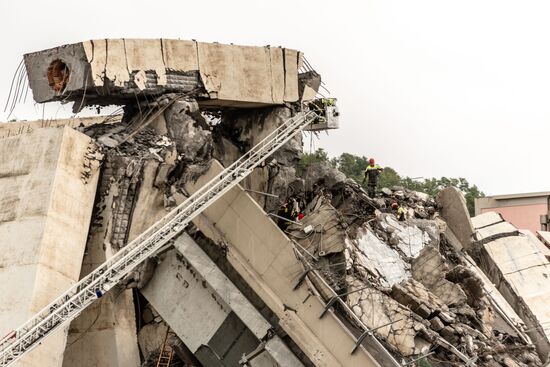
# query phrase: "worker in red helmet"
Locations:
[[399, 211], [372, 172]]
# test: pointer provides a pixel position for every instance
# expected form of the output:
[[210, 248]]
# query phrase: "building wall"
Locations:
[[522, 210], [521, 216]]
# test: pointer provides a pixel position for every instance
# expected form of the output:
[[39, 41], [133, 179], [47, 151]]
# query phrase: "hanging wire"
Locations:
[[12, 84], [15, 92]]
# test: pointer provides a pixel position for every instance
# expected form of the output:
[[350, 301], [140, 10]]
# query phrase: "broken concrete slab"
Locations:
[[500, 229], [516, 264], [379, 258], [215, 314], [544, 236], [410, 238], [430, 269], [418, 298], [486, 219], [496, 297], [538, 240], [109, 70], [328, 236], [263, 255], [454, 211], [390, 320]]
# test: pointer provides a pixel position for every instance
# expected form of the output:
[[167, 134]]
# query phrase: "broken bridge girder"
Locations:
[[376, 348], [69, 305]]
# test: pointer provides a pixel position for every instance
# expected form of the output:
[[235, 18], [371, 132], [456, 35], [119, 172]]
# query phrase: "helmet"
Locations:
[[371, 161], [394, 205]]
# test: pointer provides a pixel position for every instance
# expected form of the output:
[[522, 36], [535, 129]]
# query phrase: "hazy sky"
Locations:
[[431, 88]]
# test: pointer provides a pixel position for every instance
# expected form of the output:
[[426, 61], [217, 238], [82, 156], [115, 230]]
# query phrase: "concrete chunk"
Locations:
[[111, 71], [455, 213]]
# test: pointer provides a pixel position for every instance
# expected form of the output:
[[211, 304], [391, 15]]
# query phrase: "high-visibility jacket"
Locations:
[[400, 213], [372, 173], [328, 101]]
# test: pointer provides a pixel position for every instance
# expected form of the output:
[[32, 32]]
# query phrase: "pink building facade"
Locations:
[[524, 211]]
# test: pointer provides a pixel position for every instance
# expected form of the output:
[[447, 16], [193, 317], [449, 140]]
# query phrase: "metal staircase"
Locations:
[[69, 305]]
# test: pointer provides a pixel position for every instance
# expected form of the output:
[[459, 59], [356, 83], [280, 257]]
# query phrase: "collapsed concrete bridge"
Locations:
[[348, 286]]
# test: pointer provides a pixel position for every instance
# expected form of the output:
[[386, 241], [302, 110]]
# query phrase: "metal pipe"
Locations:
[[285, 219], [262, 193]]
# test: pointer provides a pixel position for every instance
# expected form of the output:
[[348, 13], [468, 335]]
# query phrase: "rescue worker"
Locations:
[[295, 212], [400, 211], [372, 172], [284, 212], [290, 211]]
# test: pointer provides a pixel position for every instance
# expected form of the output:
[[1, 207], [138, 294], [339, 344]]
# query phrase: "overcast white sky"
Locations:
[[430, 88]]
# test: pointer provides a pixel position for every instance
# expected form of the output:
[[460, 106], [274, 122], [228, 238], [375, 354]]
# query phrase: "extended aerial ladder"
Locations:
[[70, 304]]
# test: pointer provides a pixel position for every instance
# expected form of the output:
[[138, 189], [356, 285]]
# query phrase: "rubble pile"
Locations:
[[396, 277], [402, 279]]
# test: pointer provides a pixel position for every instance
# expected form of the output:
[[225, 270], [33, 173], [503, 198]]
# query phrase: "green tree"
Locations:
[[432, 186], [320, 155], [354, 167], [389, 178]]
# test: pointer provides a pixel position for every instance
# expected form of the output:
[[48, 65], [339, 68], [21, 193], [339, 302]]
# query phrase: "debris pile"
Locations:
[[402, 279], [388, 265]]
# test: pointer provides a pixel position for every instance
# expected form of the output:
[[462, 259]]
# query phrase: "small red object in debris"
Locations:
[[300, 216]]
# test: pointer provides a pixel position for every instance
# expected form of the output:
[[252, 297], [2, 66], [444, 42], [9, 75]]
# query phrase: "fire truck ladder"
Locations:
[[69, 305]]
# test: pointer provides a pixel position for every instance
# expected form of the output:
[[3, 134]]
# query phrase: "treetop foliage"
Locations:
[[354, 167]]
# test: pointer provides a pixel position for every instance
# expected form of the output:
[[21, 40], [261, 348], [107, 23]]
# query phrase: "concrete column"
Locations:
[[45, 210]]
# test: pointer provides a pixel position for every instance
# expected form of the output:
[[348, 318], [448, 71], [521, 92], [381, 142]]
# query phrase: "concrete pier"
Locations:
[[44, 219]]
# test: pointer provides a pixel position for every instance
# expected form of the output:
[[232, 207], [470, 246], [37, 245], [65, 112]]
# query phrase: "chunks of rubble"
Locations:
[[430, 268], [189, 130], [322, 175], [402, 280], [391, 320]]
